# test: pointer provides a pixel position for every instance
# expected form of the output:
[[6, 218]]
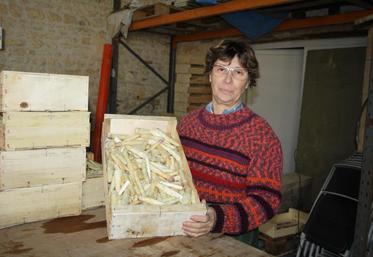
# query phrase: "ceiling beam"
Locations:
[[300, 6], [284, 26], [227, 7], [360, 3]]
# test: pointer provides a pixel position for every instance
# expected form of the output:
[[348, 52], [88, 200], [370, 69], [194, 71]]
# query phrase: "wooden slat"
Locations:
[[199, 80], [199, 99], [24, 205], [31, 168], [27, 91], [197, 69], [93, 193], [231, 6], [29, 130], [194, 107], [284, 26], [200, 90]]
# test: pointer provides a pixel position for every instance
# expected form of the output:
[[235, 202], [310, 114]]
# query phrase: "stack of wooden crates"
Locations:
[[44, 132]]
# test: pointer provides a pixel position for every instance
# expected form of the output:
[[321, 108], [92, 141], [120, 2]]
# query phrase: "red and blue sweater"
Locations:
[[236, 164]]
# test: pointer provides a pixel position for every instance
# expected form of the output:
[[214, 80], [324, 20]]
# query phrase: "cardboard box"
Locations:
[[284, 224], [30, 130], [132, 221], [26, 91], [31, 168]]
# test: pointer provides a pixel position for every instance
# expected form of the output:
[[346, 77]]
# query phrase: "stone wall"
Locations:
[[138, 83], [67, 37], [64, 37]]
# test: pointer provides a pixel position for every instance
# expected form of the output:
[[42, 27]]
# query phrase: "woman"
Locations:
[[233, 154]]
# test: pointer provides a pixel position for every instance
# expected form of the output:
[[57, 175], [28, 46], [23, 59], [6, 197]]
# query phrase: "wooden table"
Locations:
[[85, 236]]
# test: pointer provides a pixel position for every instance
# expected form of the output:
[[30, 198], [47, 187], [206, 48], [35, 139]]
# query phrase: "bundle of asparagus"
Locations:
[[146, 168], [94, 169]]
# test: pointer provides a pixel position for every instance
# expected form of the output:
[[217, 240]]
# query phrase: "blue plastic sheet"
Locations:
[[251, 23], [206, 2]]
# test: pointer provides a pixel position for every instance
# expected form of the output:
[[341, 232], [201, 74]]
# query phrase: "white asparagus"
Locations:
[[172, 152], [160, 167], [171, 185], [144, 156], [146, 169], [160, 133], [117, 179], [162, 174], [117, 140], [169, 191], [124, 187]]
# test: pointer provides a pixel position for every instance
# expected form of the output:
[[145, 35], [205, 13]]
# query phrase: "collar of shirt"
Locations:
[[237, 107]]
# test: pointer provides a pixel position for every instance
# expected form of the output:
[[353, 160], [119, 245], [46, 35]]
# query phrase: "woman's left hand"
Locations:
[[199, 225]]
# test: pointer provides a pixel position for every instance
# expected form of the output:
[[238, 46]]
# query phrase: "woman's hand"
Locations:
[[199, 225]]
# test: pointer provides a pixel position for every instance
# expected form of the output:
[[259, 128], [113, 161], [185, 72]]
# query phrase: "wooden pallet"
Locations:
[[199, 88]]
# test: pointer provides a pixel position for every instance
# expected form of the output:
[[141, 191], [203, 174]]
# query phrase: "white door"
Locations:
[[277, 96]]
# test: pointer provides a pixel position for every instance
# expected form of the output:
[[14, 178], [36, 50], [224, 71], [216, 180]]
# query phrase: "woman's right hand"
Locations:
[[199, 225]]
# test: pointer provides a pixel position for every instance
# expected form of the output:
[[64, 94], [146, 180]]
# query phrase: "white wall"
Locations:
[[277, 96]]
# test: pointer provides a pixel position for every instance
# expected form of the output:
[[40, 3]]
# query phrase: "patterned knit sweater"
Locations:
[[236, 164]]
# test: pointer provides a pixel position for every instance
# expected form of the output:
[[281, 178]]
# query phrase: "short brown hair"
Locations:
[[227, 50]]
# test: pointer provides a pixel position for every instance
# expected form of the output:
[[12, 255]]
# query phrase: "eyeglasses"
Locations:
[[237, 73]]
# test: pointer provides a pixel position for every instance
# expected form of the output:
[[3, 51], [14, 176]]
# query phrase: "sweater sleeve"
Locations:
[[262, 195]]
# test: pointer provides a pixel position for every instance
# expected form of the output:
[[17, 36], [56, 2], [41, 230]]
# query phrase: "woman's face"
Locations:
[[228, 82]]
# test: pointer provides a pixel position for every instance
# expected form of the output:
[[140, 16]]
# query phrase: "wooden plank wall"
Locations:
[[367, 76], [192, 88]]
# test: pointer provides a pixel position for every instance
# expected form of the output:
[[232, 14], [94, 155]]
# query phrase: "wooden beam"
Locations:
[[323, 21], [231, 32], [227, 7], [360, 3], [284, 26]]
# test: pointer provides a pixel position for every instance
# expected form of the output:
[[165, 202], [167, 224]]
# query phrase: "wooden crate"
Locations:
[[29, 130], [150, 11], [25, 91], [30, 168], [284, 224], [23, 205], [132, 221], [93, 193]]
